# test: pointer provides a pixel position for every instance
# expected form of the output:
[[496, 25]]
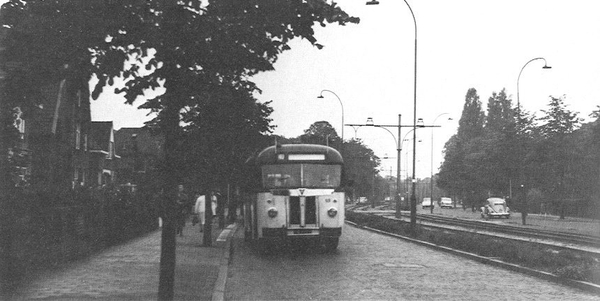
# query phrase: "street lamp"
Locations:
[[342, 105], [431, 179], [519, 78], [521, 177], [413, 199], [399, 149]]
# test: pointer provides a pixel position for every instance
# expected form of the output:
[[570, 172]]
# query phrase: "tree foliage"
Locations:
[[321, 132], [471, 121], [460, 173], [553, 156], [360, 174], [555, 153], [220, 135], [360, 169], [194, 50]]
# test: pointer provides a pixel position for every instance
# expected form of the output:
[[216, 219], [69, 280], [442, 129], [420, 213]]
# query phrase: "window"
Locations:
[[301, 175]]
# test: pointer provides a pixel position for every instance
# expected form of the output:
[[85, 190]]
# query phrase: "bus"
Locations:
[[296, 200]]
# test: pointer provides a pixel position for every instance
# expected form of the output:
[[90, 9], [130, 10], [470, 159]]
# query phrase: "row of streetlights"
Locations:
[[415, 126], [413, 199]]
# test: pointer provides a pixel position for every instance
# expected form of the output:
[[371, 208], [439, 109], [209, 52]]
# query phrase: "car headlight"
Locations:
[[272, 212], [332, 212]]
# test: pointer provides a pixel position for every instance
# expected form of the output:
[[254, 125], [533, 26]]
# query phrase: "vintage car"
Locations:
[[427, 203], [446, 203], [495, 207]]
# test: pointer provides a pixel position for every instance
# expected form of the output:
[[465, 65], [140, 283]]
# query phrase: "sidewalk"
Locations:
[[130, 271]]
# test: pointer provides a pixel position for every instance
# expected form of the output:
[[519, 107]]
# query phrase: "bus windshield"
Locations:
[[301, 175]]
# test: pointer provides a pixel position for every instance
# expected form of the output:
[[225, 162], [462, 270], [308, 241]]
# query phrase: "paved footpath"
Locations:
[[130, 271]]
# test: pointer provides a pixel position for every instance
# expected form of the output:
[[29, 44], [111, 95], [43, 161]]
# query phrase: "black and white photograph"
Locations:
[[226, 150]]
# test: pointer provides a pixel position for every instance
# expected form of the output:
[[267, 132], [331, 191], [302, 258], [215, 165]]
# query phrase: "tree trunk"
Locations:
[[170, 181]]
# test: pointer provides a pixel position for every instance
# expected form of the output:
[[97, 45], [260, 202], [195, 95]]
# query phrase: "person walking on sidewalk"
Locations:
[[200, 210], [213, 204]]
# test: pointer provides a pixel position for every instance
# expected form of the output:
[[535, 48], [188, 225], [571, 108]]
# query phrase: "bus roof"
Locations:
[[299, 153]]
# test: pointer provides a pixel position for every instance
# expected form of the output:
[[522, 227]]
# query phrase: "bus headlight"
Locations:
[[332, 212], [272, 212]]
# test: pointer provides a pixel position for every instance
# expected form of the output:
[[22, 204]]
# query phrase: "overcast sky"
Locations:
[[462, 44]]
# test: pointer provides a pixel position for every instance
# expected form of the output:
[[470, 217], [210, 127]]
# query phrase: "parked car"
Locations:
[[495, 207], [427, 203], [446, 203]]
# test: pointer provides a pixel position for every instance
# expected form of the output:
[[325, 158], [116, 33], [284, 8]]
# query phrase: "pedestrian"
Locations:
[[182, 207], [213, 204], [200, 210]]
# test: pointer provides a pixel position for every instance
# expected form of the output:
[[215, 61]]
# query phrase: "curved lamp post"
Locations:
[[524, 189], [395, 143], [431, 179], [399, 149], [341, 104], [413, 198], [519, 78]]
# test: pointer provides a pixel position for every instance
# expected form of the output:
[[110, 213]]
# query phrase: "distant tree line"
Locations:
[[549, 163]]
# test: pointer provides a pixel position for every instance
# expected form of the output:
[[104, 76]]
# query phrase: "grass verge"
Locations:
[[561, 262]]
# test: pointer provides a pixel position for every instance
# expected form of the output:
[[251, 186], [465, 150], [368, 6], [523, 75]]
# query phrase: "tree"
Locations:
[[359, 174], [500, 114], [498, 165], [189, 48], [463, 153], [554, 152], [360, 165], [220, 135], [586, 169], [472, 119], [321, 132], [450, 177]]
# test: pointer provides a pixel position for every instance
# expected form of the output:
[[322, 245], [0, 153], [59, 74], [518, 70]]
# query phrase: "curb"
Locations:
[[587, 286], [219, 289]]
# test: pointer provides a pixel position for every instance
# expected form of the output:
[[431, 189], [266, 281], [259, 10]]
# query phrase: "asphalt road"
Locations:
[[369, 266]]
